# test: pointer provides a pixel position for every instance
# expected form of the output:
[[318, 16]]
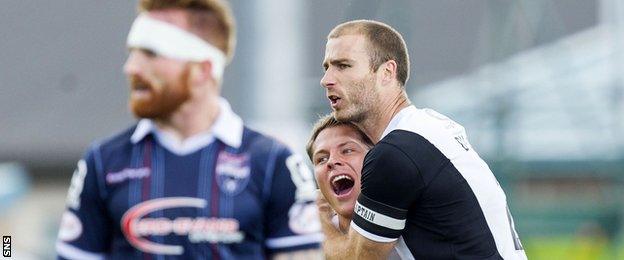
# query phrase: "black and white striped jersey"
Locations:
[[425, 186]]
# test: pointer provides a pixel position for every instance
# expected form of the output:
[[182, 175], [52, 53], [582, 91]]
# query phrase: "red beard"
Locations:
[[158, 102]]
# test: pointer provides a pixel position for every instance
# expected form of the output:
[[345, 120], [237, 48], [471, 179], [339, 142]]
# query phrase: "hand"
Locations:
[[321, 202], [325, 210]]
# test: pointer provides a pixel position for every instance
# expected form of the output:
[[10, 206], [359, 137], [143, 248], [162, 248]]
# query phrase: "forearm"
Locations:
[[349, 245], [337, 244], [363, 248], [352, 246]]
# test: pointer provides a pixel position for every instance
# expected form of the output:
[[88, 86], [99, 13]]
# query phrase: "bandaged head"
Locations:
[[173, 42]]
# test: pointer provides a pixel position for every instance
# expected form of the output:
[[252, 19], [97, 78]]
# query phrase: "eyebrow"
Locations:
[[340, 145], [334, 62], [141, 49]]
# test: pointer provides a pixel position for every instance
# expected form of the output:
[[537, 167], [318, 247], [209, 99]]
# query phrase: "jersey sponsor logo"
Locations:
[[232, 172], [77, 183], [71, 227], [365, 213], [200, 229], [127, 173], [303, 218]]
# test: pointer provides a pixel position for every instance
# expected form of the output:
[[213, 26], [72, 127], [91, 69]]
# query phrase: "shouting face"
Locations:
[[338, 154]]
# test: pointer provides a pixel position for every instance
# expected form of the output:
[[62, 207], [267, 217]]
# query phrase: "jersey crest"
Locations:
[[232, 172]]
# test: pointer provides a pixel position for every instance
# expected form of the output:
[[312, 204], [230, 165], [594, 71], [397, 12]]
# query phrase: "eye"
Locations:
[[320, 160], [149, 53], [348, 151], [343, 66]]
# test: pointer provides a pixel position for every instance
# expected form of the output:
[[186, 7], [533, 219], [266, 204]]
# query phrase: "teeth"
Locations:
[[340, 177]]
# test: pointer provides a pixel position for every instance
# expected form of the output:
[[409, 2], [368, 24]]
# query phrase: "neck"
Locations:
[[343, 223], [380, 117], [190, 119]]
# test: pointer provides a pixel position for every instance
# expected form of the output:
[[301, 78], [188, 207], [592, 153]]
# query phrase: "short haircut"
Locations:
[[384, 44], [211, 20], [328, 121]]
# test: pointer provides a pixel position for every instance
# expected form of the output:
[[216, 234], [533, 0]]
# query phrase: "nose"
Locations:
[[328, 81], [334, 161], [133, 63]]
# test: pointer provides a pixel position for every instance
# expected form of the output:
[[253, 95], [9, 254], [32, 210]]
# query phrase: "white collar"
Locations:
[[228, 128], [397, 118]]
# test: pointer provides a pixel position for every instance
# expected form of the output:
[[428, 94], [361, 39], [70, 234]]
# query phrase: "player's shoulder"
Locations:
[[260, 144], [428, 123], [399, 141], [412, 130], [388, 155], [114, 144], [428, 126]]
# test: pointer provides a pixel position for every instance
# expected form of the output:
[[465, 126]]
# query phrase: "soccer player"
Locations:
[[423, 186], [189, 180], [337, 150]]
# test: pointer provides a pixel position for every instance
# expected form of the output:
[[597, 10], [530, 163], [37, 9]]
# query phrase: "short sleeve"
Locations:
[[291, 217], [390, 184], [84, 231]]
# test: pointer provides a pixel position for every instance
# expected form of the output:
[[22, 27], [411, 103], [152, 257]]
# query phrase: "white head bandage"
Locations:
[[172, 42]]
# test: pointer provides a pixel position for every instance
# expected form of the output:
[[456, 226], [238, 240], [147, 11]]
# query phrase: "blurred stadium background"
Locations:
[[539, 86]]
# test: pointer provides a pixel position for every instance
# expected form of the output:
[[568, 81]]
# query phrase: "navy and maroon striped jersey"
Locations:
[[229, 194]]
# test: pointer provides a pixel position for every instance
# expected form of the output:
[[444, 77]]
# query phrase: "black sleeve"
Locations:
[[391, 182]]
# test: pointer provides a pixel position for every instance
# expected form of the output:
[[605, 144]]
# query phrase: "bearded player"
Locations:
[[188, 180]]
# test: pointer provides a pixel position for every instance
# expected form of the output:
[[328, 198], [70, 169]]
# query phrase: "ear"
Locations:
[[201, 72], [388, 72]]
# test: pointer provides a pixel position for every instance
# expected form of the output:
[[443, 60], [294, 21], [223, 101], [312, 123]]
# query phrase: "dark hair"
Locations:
[[328, 121]]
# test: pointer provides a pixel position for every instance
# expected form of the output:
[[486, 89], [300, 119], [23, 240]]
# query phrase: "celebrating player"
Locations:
[[189, 180], [423, 187], [337, 150]]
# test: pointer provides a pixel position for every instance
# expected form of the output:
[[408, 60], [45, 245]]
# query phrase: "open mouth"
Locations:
[[140, 87], [333, 99], [140, 90], [342, 184]]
